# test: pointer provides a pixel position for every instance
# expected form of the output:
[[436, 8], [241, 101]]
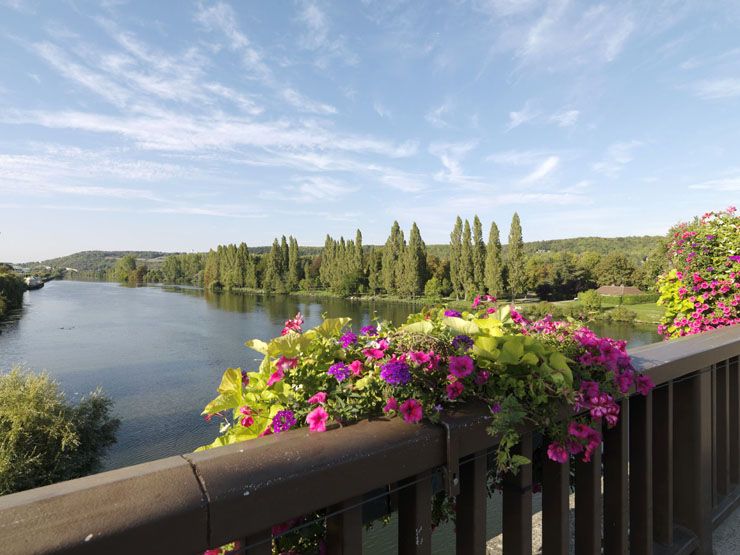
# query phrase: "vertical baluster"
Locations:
[[722, 414], [588, 505], [615, 484], [470, 527], [692, 452], [517, 504], [734, 432], [641, 474], [663, 464], [713, 415], [259, 544], [555, 508], [344, 528], [415, 515]]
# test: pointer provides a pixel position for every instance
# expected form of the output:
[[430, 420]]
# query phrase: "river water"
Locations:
[[159, 353]]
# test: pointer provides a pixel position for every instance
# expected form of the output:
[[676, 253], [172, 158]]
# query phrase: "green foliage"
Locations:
[[515, 258], [12, 288], [621, 314], [494, 277], [455, 254], [413, 278], [43, 438], [123, 268], [615, 269], [590, 300]]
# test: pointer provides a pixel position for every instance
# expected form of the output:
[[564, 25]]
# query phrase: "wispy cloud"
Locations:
[[566, 118], [723, 184], [451, 156], [381, 110], [616, 157], [543, 170], [317, 36], [520, 117], [717, 89], [436, 116], [304, 104]]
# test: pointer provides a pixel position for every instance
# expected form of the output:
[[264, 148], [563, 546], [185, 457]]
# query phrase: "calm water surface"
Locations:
[[160, 352]]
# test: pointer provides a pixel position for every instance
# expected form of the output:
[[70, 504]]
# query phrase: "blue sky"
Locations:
[[181, 125]]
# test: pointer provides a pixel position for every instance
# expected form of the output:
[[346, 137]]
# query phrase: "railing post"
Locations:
[[641, 474], [722, 429], [344, 528], [588, 504], [734, 433], [517, 506], [663, 464], [692, 454], [615, 484], [415, 515], [555, 508], [470, 529]]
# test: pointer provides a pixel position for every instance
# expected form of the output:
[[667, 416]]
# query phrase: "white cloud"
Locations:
[[616, 157], [715, 89], [317, 38], [304, 104], [548, 166], [381, 110], [516, 157], [451, 156], [566, 118], [436, 115], [525, 115], [724, 184]]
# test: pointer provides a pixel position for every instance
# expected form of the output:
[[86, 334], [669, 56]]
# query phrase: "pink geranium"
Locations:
[[316, 419]]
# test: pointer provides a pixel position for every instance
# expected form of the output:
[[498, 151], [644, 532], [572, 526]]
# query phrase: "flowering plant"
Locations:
[[702, 289], [524, 371]]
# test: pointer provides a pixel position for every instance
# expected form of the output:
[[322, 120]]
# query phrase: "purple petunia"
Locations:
[[369, 330], [347, 339], [339, 370], [461, 366], [395, 372], [452, 313], [283, 421], [462, 342]]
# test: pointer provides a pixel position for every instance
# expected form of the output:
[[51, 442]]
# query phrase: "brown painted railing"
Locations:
[[670, 473]]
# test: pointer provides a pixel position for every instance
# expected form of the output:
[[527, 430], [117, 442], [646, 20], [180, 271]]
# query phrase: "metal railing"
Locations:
[[669, 472]]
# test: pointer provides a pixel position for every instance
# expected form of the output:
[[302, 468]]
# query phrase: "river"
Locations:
[[159, 353]]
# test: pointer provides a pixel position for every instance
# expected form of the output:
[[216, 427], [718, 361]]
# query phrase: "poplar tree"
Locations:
[[515, 259], [273, 268], [466, 261], [479, 255], [284, 257], [359, 262], [294, 264], [210, 270], [455, 253], [374, 270], [413, 276], [494, 279], [391, 252]]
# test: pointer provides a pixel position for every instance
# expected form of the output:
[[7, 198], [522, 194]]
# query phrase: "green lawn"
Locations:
[[647, 312]]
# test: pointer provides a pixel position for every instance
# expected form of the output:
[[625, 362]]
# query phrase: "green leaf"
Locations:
[[424, 326], [222, 402], [486, 347], [332, 326], [362, 383], [461, 326], [530, 358], [258, 345], [289, 345], [231, 382], [512, 350], [559, 362]]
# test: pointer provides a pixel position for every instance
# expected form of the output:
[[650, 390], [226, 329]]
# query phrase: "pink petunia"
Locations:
[[355, 367], [316, 419], [411, 410], [461, 366], [319, 397], [454, 390], [557, 452], [390, 405]]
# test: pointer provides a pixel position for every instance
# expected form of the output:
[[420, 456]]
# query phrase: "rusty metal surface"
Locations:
[[185, 504]]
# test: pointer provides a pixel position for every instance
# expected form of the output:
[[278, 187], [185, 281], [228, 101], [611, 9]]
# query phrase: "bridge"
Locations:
[[667, 477]]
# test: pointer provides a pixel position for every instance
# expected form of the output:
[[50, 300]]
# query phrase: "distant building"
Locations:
[[619, 290]]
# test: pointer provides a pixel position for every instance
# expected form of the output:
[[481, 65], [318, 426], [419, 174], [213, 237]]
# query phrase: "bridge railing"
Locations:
[[668, 473]]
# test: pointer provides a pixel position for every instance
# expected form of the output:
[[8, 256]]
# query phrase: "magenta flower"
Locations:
[[454, 390], [390, 405], [452, 313], [316, 419], [275, 377], [347, 339], [481, 377], [557, 452], [411, 410], [355, 367], [461, 366], [624, 381], [247, 420], [419, 357], [589, 389], [496, 408], [294, 324], [317, 398], [644, 384], [369, 330], [245, 378]]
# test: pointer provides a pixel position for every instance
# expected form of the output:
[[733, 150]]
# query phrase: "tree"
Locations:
[[479, 256], [455, 255], [515, 259], [466, 262], [294, 265], [494, 279], [273, 269], [124, 266], [392, 251], [43, 438], [414, 273], [374, 270], [358, 258], [615, 269]]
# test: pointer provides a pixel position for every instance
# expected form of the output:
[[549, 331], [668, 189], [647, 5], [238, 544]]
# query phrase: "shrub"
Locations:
[[621, 314], [535, 311], [590, 300], [43, 438], [701, 291], [12, 288], [433, 288]]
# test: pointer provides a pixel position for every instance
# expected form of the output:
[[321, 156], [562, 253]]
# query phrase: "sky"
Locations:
[[177, 126]]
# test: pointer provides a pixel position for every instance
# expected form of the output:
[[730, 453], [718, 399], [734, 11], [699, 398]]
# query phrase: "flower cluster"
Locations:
[[702, 289], [523, 371]]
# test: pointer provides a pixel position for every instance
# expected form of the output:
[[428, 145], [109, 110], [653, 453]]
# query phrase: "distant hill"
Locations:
[[93, 261], [636, 247]]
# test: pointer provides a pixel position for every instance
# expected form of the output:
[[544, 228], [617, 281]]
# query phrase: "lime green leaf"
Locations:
[[530, 358], [231, 382], [222, 402], [258, 345], [332, 326], [486, 347], [461, 326], [425, 326], [362, 383], [512, 350], [559, 362]]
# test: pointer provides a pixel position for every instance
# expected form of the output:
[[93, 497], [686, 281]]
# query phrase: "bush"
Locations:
[[43, 438], [621, 314], [12, 288], [608, 300], [590, 300], [433, 288], [536, 311]]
